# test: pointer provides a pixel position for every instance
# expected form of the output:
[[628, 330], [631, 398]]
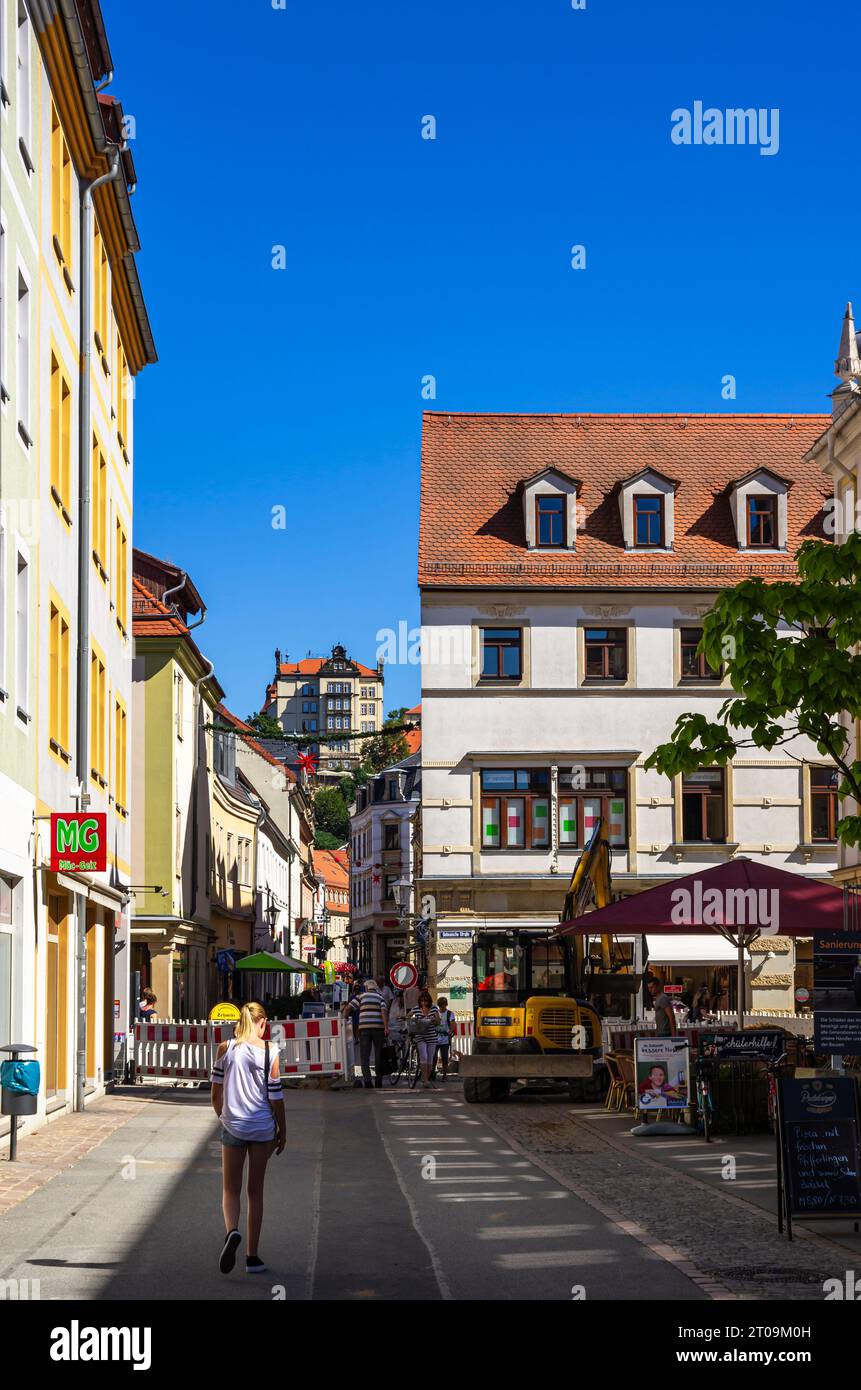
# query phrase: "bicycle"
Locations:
[[406, 1060]]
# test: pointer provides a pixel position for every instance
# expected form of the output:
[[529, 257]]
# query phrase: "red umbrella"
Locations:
[[737, 899]]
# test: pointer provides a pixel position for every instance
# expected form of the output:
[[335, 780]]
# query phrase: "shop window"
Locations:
[[604, 792], [704, 806], [515, 808]]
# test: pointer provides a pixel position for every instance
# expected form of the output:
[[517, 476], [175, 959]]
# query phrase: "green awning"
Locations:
[[265, 961]]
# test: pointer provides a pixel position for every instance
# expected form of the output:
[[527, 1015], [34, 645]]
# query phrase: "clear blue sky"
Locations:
[[407, 257]]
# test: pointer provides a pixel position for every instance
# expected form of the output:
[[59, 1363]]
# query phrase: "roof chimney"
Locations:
[[277, 659]]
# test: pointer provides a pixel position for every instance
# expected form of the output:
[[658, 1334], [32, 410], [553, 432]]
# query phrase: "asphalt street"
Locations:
[[385, 1195]]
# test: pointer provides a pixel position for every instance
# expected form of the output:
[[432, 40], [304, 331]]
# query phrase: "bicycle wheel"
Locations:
[[414, 1070], [398, 1068]]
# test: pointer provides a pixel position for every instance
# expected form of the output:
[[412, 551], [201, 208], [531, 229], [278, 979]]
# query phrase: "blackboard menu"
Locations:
[[819, 1146]]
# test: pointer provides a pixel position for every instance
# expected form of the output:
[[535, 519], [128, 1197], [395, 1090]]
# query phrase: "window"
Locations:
[[58, 699], [121, 578], [761, 521], [22, 86], [515, 808], [823, 802], [595, 792], [98, 712], [648, 521], [501, 653], [606, 653], [4, 394], [124, 389], [389, 881], [61, 194], [550, 521], [120, 758], [7, 898], [100, 509], [694, 666], [391, 836], [3, 591], [703, 806], [22, 381], [22, 638], [100, 294], [61, 440], [180, 700]]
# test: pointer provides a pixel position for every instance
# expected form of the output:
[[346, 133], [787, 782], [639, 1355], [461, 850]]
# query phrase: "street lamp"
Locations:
[[401, 892]]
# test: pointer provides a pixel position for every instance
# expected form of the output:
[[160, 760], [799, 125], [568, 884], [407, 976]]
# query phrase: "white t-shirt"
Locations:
[[248, 1096]]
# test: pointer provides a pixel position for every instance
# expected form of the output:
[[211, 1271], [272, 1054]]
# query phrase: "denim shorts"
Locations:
[[231, 1141]]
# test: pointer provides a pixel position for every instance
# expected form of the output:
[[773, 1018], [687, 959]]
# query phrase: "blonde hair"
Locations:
[[249, 1015]]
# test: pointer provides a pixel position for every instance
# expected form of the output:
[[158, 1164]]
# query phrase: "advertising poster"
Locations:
[[663, 1068]]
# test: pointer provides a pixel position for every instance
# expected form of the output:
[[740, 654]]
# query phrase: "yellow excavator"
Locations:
[[532, 1020]]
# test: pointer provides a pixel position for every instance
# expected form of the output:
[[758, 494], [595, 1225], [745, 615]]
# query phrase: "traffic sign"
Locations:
[[403, 975], [802, 995]]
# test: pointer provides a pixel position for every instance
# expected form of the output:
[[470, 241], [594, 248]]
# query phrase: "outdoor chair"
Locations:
[[616, 1094], [625, 1062]]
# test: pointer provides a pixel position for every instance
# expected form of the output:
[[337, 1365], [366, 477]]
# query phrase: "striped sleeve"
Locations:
[[217, 1077], [273, 1085]]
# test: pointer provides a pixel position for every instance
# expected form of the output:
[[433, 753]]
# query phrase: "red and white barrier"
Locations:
[[180, 1051], [311, 1046], [462, 1037], [186, 1051]]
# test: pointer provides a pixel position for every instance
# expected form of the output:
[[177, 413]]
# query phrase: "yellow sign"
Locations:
[[224, 1013], [329, 971]]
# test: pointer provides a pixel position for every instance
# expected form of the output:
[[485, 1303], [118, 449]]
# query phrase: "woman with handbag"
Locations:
[[247, 1098]]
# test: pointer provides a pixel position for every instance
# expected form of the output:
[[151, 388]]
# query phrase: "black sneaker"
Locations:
[[254, 1265], [228, 1252]]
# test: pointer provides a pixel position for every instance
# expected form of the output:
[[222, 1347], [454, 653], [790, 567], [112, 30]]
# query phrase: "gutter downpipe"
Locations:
[[195, 767], [84, 561]]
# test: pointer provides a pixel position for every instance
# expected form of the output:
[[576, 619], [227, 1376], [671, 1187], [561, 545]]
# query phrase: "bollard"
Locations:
[[15, 1101]]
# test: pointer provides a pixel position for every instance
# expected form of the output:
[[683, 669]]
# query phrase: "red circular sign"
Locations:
[[403, 975]]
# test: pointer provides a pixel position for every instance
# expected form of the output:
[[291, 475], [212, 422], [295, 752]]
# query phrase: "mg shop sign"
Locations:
[[79, 842]]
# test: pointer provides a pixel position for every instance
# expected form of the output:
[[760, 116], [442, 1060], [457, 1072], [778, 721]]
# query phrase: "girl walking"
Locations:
[[247, 1098]]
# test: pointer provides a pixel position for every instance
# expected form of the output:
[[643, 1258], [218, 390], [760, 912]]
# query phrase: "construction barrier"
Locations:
[[177, 1051], [462, 1037], [311, 1046]]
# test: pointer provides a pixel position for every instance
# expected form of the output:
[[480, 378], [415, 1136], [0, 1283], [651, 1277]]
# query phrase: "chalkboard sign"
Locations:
[[819, 1163]]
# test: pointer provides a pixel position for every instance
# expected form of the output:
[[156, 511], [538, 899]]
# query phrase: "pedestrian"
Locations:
[[443, 1038], [424, 1025], [701, 1005], [247, 1098], [370, 1010], [385, 989], [147, 1010], [665, 1014]]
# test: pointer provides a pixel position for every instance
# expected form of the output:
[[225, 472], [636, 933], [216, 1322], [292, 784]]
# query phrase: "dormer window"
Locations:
[[549, 510], [648, 521], [550, 525], [762, 521], [647, 510], [759, 510]]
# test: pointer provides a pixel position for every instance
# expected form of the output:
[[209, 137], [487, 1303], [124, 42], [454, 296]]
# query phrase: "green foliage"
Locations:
[[332, 815], [265, 726], [323, 839], [385, 749], [788, 650]]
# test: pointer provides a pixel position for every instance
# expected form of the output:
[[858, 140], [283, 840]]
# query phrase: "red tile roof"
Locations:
[[152, 618], [329, 867], [472, 531], [312, 665]]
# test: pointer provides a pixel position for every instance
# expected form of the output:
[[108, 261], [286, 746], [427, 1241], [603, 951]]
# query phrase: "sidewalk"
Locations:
[[673, 1190], [62, 1143]]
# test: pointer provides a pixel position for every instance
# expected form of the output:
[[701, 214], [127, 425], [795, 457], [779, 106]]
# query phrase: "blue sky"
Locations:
[[407, 257]]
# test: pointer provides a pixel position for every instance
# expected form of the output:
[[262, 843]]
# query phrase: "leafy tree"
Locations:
[[323, 839], [265, 725], [789, 650], [386, 748], [332, 815]]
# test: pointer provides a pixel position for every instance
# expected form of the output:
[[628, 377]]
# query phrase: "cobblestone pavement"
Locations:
[[60, 1144], [733, 1242]]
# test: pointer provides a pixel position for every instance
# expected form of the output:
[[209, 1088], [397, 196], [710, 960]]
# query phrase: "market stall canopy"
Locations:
[[268, 960], [709, 949], [740, 899]]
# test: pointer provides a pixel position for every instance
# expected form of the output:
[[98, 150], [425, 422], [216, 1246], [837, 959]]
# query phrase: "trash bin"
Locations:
[[20, 1078]]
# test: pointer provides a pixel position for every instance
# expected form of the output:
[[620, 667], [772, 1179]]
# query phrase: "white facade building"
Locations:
[[383, 855], [560, 645]]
